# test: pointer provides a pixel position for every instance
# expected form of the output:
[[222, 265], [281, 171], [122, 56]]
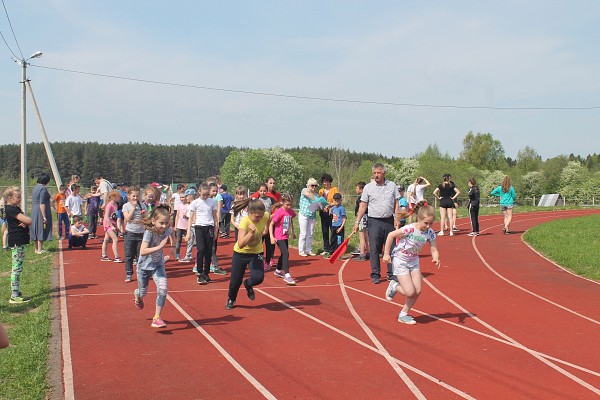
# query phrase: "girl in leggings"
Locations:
[[248, 249], [280, 227], [474, 207]]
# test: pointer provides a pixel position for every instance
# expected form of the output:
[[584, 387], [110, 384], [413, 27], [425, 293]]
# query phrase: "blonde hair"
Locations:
[[10, 192], [311, 181]]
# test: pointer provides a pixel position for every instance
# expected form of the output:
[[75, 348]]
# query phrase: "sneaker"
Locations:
[[249, 289], [83, 247], [201, 280], [128, 278], [195, 270], [407, 319], [361, 257], [375, 280], [356, 252], [273, 264], [451, 233], [207, 278], [392, 278], [326, 254], [220, 271], [455, 229], [440, 233], [279, 273], [118, 260], [391, 291], [302, 254], [70, 247], [185, 260], [212, 268], [289, 280], [473, 234], [20, 299], [311, 254], [267, 266], [138, 301], [230, 304], [105, 258], [158, 323]]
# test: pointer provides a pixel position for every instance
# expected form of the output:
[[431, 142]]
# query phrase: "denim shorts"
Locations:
[[505, 208]]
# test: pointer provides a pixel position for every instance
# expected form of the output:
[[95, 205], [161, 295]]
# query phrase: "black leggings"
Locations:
[[269, 248], [474, 215], [205, 236], [284, 258], [239, 261]]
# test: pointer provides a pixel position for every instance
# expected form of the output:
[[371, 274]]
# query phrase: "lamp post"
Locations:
[[23, 63]]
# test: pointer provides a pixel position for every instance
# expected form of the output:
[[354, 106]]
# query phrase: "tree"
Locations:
[[490, 181], [528, 160], [407, 171], [483, 151], [342, 168], [533, 184]]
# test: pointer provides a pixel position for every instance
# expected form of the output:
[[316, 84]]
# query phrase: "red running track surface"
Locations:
[[496, 321]]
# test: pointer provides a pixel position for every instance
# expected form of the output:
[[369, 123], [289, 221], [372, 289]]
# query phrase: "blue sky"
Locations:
[[465, 53]]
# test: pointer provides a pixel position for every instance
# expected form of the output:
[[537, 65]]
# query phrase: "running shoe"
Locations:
[[267, 267], [230, 304], [326, 254], [273, 264], [138, 301], [375, 280], [219, 271], [455, 229], [451, 233], [407, 319], [311, 254], [302, 254], [207, 278], [279, 273], [195, 270], [128, 278], [185, 260], [440, 233], [105, 258], [118, 260], [356, 252], [201, 280], [289, 280], [361, 257], [391, 291], [158, 323], [20, 299], [249, 289]]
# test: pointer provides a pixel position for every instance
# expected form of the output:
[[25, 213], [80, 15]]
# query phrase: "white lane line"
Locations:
[[253, 381], [475, 331], [517, 344], [488, 266], [382, 350], [64, 327], [409, 367]]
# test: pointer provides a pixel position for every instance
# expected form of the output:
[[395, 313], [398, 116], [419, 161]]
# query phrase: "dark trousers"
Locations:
[[239, 262], [474, 216], [78, 241], [205, 238], [93, 222], [379, 228], [326, 219], [131, 246], [225, 223], [180, 234], [269, 248], [336, 239], [63, 221], [284, 258]]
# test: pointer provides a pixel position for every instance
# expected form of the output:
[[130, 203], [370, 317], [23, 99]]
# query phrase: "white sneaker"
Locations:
[[302, 254], [440, 233], [391, 291], [451, 233]]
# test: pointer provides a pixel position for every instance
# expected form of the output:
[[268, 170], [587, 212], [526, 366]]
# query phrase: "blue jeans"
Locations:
[[159, 276], [63, 219]]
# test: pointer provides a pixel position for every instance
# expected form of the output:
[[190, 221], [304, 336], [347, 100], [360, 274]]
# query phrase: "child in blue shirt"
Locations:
[[338, 214], [402, 204]]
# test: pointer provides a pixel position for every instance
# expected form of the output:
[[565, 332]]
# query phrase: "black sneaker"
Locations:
[[219, 271], [361, 257], [207, 278], [201, 280], [230, 304], [375, 280], [250, 290], [356, 252], [392, 278]]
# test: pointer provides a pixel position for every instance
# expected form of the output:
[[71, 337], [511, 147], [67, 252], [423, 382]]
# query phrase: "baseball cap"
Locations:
[[190, 191], [155, 184], [337, 196]]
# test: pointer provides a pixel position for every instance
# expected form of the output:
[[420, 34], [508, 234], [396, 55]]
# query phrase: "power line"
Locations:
[[6, 43], [13, 32], [338, 100]]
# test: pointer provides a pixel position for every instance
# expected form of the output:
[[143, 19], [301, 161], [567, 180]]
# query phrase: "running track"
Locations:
[[496, 321]]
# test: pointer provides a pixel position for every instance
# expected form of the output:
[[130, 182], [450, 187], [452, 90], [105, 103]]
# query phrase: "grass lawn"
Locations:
[[571, 243], [23, 365]]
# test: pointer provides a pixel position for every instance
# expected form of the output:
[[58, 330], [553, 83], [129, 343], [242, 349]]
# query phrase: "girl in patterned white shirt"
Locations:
[[151, 263], [409, 240]]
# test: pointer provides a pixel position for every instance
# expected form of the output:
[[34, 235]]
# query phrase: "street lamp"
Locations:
[[24, 63]]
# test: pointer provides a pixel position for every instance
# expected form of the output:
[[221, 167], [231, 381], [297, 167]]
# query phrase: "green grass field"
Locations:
[[23, 366], [571, 243]]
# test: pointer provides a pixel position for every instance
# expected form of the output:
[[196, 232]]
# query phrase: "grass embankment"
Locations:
[[24, 364], [571, 243]]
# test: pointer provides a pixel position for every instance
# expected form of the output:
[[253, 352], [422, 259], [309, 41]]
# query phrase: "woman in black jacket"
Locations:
[[474, 207]]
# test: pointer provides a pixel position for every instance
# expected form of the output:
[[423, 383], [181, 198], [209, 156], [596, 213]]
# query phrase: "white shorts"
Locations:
[[403, 267]]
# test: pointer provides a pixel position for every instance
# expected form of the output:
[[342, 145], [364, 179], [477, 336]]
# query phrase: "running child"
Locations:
[[269, 247], [151, 263], [248, 249], [18, 237], [133, 214], [241, 193], [203, 214], [279, 230], [408, 242], [109, 222]]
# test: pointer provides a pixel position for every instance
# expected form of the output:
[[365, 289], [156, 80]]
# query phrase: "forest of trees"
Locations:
[[483, 158]]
